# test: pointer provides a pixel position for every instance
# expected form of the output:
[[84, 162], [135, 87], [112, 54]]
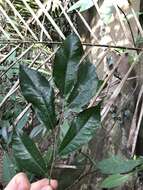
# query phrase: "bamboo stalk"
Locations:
[[83, 43], [37, 20], [134, 129], [121, 22], [16, 85], [23, 21], [117, 91], [16, 61], [4, 32], [50, 19], [105, 82], [87, 25], [11, 22], [137, 130], [14, 49], [69, 20], [137, 21], [95, 2]]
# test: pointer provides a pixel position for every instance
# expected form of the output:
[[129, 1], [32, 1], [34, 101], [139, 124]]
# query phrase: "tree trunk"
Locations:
[[112, 138]]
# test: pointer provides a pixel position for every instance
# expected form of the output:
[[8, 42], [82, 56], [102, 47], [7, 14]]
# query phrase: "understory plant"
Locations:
[[63, 122], [54, 144]]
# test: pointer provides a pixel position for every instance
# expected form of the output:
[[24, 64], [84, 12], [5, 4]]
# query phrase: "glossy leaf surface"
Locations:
[[8, 170], [115, 180], [37, 90], [66, 63], [116, 165], [81, 130], [27, 155], [85, 88]]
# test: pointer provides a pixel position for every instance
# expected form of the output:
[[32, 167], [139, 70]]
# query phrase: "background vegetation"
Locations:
[[71, 92]]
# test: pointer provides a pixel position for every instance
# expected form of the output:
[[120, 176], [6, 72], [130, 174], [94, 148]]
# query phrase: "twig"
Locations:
[[16, 85], [37, 19], [80, 178], [105, 82], [59, 43], [69, 20], [133, 127], [117, 91], [16, 61], [9, 54], [50, 18], [21, 18], [121, 21], [11, 22], [137, 21], [137, 130], [128, 25]]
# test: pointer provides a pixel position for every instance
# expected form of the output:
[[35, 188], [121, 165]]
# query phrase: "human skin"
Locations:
[[21, 182]]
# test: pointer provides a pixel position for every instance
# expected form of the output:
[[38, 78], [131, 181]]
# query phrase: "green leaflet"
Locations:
[[64, 129], [82, 5], [115, 180], [37, 90], [85, 87], [116, 165], [8, 170], [66, 64], [81, 130], [27, 155]]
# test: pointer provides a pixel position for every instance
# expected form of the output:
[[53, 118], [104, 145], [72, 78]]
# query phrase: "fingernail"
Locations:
[[47, 188]]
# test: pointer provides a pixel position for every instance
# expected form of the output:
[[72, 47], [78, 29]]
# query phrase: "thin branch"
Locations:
[[50, 19], [131, 31], [4, 33], [137, 21], [69, 20], [137, 130], [20, 17], [9, 54], [121, 21], [80, 178], [105, 81], [133, 129], [83, 43], [117, 91], [16, 61], [11, 22], [19, 117], [16, 84], [37, 20], [87, 25]]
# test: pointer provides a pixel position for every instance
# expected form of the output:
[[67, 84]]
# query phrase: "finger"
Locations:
[[44, 183], [19, 182]]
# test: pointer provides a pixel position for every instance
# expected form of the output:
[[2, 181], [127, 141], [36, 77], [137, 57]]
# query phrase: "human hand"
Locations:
[[21, 182]]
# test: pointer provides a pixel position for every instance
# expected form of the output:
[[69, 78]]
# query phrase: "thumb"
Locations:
[[18, 182]]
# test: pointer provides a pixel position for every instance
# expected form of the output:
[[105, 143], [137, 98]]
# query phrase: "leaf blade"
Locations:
[[37, 90], [66, 63], [81, 130], [27, 155], [85, 88], [115, 180], [116, 165], [8, 170]]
